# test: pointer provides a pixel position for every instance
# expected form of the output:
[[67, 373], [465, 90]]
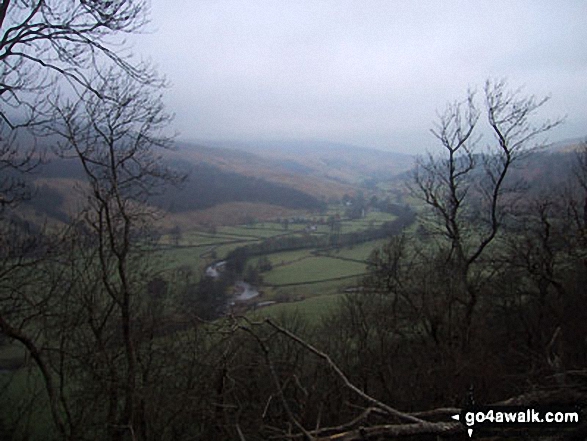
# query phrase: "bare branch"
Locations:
[[391, 411]]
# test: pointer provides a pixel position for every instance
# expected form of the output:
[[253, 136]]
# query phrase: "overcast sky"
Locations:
[[370, 73]]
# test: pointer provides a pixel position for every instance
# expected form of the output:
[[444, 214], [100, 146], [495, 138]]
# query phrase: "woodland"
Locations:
[[482, 302]]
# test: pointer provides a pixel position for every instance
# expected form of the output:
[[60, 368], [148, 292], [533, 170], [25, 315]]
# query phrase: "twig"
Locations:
[[343, 377]]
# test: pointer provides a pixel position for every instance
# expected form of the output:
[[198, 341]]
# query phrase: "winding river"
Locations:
[[243, 291]]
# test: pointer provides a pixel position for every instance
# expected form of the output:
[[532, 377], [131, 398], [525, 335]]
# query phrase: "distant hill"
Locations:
[[321, 160], [549, 169], [207, 186], [270, 179], [567, 145], [281, 171]]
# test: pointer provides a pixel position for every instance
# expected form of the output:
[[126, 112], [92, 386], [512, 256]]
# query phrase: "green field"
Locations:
[[183, 256], [285, 257], [313, 269], [312, 309], [359, 252], [295, 275]]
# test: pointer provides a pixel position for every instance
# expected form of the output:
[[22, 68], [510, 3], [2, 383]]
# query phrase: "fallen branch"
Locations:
[[396, 430], [390, 410]]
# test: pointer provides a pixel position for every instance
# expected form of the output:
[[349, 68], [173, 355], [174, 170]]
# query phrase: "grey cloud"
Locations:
[[371, 72]]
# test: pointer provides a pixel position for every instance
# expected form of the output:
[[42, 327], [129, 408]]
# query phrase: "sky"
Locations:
[[369, 73]]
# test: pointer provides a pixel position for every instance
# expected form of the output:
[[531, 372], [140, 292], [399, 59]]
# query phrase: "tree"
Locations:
[[49, 44], [101, 267], [467, 193], [44, 41], [264, 264], [253, 275], [175, 235], [581, 177], [116, 140], [206, 299], [545, 254], [425, 310]]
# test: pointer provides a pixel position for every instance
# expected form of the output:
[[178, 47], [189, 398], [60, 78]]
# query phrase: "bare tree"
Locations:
[[581, 177], [546, 255], [423, 316], [47, 40], [116, 141], [89, 291], [49, 44], [467, 192], [76, 48]]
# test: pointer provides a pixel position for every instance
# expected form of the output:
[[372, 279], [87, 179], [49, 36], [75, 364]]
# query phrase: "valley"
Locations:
[[292, 221], [246, 238], [316, 230]]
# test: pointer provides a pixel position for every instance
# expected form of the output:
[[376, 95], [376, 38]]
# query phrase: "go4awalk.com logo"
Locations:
[[517, 417]]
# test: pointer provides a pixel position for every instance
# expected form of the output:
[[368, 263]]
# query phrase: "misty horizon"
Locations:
[[374, 75]]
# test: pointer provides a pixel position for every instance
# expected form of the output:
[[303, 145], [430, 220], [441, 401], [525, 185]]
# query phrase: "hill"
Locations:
[[268, 179], [332, 165], [207, 186], [273, 170]]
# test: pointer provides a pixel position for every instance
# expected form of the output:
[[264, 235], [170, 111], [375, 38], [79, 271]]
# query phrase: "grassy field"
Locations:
[[196, 249], [227, 238], [371, 220], [185, 256], [360, 252], [295, 275], [297, 292], [311, 309], [285, 257], [313, 269]]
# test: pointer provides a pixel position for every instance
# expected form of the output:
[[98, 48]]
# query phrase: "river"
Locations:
[[243, 291]]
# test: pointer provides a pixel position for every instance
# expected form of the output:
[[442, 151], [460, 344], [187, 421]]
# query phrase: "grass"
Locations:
[[313, 269], [285, 257], [379, 216], [176, 257], [312, 309], [300, 274], [373, 219], [255, 232], [198, 239], [358, 252], [295, 274]]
